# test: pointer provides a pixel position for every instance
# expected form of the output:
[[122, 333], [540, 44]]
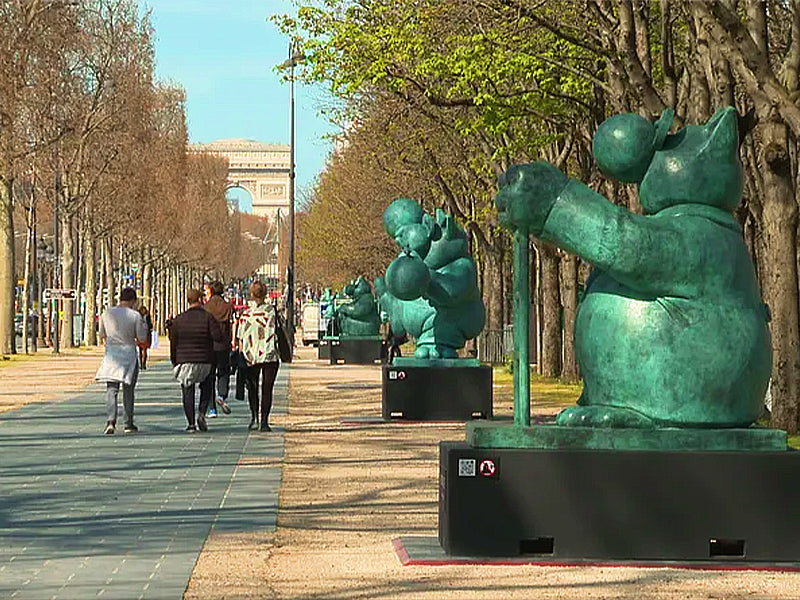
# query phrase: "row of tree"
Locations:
[[438, 97], [94, 164]]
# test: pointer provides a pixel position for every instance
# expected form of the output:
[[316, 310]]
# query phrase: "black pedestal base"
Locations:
[[358, 351], [620, 505], [437, 393], [324, 349]]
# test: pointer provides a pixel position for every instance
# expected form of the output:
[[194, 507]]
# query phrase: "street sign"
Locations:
[[487, 468], [55, 293]]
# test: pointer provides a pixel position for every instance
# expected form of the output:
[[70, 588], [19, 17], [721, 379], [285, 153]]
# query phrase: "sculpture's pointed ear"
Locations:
[[722, 131], [452, 230], [434, 233]]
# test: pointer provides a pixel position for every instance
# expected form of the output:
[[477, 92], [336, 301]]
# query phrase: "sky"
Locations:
[[223, 53]]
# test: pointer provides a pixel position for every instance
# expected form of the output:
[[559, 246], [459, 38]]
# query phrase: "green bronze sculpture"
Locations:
[[672, 331], [431, 290], [359, 317]]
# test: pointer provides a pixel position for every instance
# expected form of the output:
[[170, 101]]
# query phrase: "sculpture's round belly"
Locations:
[[677, 361]]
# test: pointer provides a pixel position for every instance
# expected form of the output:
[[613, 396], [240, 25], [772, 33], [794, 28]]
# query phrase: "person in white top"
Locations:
[[121, 327]]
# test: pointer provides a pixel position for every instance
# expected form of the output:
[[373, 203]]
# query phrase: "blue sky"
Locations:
[[223, 53]]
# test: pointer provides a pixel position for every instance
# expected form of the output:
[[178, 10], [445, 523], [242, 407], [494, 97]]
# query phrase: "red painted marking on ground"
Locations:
[[407, 561], [401, 551]]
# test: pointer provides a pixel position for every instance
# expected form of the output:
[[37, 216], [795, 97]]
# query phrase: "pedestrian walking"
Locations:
[[256, 339], [121, 328], [192, 335], [145, 344], [393, 342], [222, 311]]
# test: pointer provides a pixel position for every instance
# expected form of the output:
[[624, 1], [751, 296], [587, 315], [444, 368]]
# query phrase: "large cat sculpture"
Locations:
[[431, 290], [672, 331], [360, 316]]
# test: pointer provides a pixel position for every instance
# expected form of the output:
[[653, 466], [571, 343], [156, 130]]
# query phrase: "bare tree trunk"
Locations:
[[67, 280], [508, 289], [536, 302], [101, 275], [494, 293], [551, 313], [7, 280], [121, 264], [640, 20], [108, 267], [569, 299], [779, 276], [147, 279], [668, 56], [162, 297], [30, 248], [89, 330], [80, 279], [699, 105], [177, 302]]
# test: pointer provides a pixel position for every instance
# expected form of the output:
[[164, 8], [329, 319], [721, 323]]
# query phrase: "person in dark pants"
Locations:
[[223, 313], [255, 338], [394, 342], [145, 344], [192, 335], [239, 366]]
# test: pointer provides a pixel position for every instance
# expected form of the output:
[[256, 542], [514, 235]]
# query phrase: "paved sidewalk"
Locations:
[[84, 515]]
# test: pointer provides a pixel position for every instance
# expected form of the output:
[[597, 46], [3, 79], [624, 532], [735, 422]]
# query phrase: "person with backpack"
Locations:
[[256, 339]]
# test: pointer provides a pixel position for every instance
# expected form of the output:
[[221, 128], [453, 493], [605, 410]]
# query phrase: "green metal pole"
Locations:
[[522, 303]]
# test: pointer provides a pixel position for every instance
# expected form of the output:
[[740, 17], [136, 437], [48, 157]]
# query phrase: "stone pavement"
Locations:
[[84, 515]]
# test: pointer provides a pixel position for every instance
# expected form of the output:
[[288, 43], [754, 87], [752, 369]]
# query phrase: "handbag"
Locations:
[[284, 348]]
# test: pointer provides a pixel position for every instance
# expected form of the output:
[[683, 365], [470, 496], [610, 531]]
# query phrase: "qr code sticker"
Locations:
[[466, 467]]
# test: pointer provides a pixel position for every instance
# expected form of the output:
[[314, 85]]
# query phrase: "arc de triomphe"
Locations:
[[261, 169]]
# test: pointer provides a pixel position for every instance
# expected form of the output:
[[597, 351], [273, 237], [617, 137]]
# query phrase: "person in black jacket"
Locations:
[[223, 313], [192, 335]]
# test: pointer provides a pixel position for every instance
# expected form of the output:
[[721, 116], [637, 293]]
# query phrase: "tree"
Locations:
[[531, 75], [35, 35]]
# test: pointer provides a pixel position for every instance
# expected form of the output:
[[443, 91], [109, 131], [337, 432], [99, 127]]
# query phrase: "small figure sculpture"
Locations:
[[360, 316], [672, 330], [431, 290]]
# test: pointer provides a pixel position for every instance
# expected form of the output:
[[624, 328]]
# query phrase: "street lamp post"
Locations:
[[295, 56]]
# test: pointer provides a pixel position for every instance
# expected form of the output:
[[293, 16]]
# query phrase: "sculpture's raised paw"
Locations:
[[603, 416], [527, 193]]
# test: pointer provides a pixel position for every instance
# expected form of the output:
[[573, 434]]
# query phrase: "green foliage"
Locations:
[[508, 364], [507, 71]]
